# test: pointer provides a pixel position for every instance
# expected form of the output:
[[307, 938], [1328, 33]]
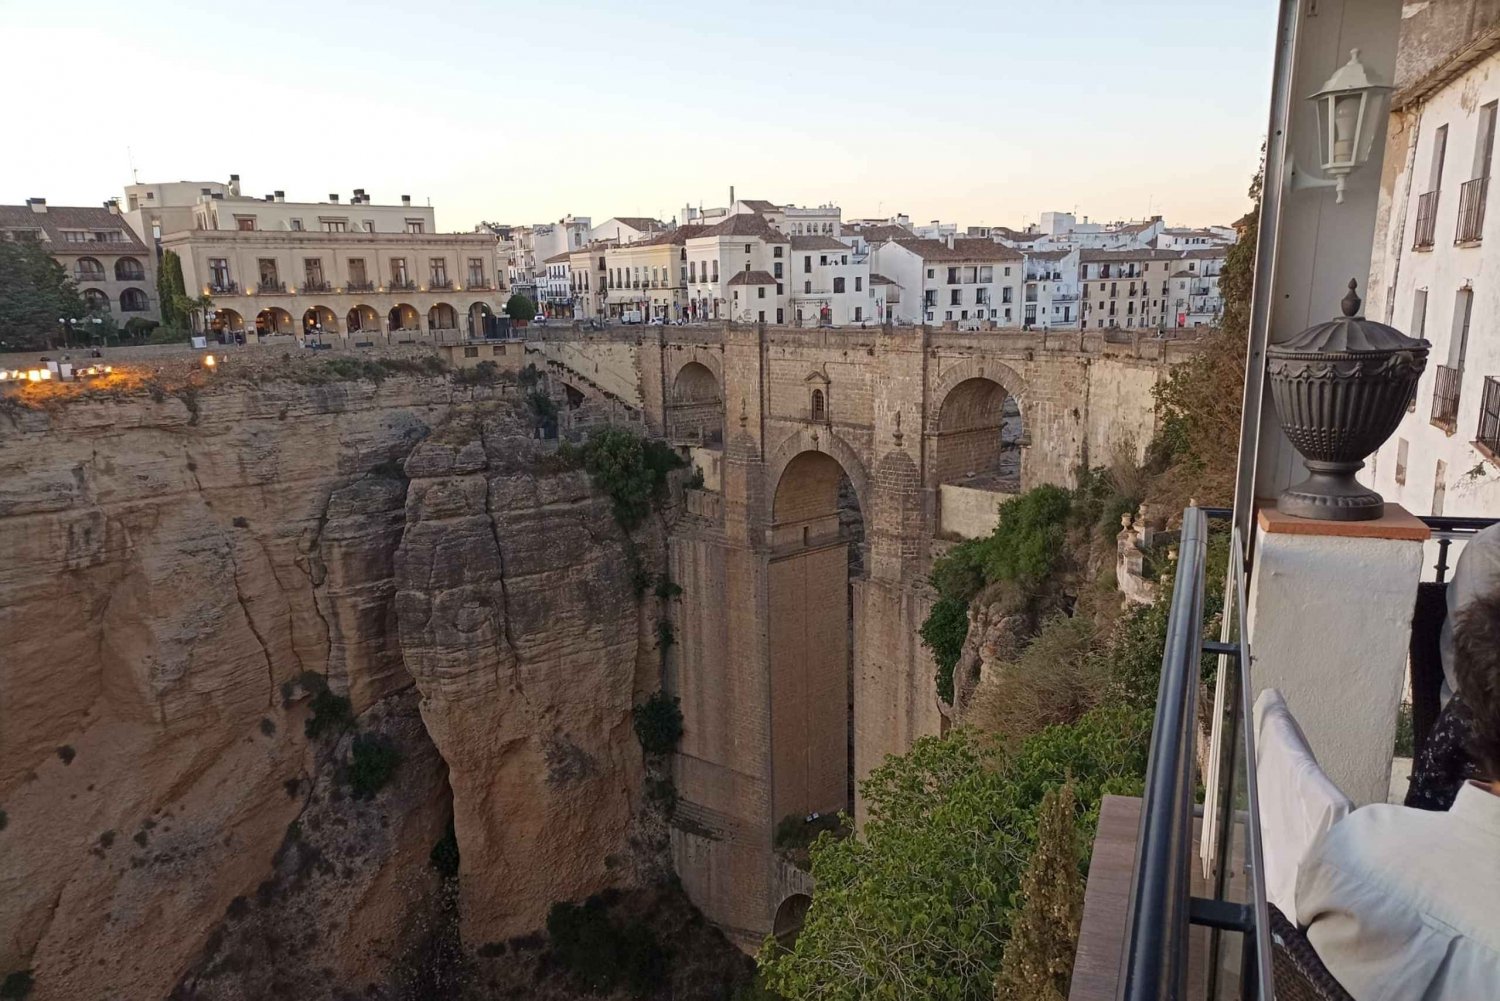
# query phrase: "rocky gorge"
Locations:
[[224, 609]]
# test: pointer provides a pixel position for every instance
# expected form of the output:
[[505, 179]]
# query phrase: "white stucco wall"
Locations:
[[1441, 469]]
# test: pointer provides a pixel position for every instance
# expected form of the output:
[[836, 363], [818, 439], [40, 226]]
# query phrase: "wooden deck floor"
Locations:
[[1101, 940]]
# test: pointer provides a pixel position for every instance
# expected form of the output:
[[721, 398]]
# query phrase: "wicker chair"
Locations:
[[1299, 974]]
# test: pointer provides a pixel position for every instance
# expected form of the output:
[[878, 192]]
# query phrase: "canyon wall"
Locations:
[[181, 573]]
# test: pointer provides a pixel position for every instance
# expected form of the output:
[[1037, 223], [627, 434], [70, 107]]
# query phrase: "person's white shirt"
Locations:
[[1476, 573], [1405, 904]]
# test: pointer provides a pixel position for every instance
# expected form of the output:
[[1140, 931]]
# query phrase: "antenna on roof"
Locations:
[[135, 177]]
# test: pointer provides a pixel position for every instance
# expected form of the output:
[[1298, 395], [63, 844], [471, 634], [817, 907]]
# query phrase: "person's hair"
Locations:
[[1476, 666]]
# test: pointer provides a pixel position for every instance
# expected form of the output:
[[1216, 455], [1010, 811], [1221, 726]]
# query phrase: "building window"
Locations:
[[779, 317], [476, 272], [776, 269], [760, 292], [779, 289], [439, 269], [692, 271], [955, 297], [334, 225], [296, 225], [368, 224], [357, 271], [1419, 313], [269, 278], [398, 271], [716, 270], [807, 288], [859, 314], [819, 407], [218, 273], [761, 316], [132, 300], [312, 271], [1458, 344], [952, 276], [414, 225], [807, 265], [244, 223], [838, 284], [930, 272], [859, 283], [776, 252]]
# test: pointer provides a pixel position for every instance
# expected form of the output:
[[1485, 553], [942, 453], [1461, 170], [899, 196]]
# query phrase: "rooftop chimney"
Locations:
[[731, 196], [234, 185], [113, 204], [281, 196], [333, 196], [406, 199], [37, 204], [270, 198]]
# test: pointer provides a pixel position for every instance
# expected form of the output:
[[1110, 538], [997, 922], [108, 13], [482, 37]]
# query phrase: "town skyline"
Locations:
[[977, 117]]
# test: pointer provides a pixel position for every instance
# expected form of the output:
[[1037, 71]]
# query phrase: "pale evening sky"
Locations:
[[522, 112]]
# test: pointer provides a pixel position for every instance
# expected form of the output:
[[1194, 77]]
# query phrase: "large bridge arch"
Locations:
[[818, 439], [791, 914], [814, 500]]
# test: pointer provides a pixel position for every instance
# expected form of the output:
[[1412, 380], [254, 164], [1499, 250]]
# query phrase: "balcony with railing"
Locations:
[[401, 285], [353, 286], [1471, 200], [440, 284], [1426, 221], [1187, 891], [270, 286], [1487, 437], [1445, 392], [226, 287], [316, 286]]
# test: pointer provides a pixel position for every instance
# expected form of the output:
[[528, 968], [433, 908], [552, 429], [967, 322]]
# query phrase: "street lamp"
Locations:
[[1347, 115]]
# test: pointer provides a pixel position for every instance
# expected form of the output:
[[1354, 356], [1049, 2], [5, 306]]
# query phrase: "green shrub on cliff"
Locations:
[[920, 904], [658, 723], [631, 469], [17, 985], [603, 955], [330, 713], [943, 633]]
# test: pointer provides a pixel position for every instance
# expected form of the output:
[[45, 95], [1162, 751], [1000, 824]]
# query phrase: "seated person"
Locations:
[[1444, 762], [1405, 904]]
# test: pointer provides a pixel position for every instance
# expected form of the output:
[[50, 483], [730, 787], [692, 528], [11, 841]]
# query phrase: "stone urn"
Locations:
[[1340, 390]]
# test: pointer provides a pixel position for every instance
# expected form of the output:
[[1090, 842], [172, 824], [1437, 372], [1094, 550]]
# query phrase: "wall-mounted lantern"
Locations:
[[1348, 106]]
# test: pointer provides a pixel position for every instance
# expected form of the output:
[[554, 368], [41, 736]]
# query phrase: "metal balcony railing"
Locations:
[[224, 288], [401, 285], [310, 285], [481, 285], [353, 286], [270, 287], [1426, 220], [440, 284], [1471, 199], [1488, 434], [1162, 909], [1445, 392]]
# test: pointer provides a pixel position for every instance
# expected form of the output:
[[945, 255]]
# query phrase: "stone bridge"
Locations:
[[798, 663]]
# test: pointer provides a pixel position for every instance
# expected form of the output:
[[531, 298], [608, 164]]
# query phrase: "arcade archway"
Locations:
[[695, 411]]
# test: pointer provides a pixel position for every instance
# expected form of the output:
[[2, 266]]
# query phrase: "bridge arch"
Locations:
[[819, 439], [695, 405], [976, 429], [790, 916]]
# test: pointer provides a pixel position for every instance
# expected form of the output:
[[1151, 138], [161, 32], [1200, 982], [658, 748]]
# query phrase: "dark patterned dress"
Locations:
[[1444, 763]]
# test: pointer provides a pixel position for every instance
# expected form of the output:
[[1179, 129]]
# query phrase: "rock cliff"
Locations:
[[175, 564]]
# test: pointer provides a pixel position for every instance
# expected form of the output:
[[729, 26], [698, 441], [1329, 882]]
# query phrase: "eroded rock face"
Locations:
[[168, 575], [520, 626]]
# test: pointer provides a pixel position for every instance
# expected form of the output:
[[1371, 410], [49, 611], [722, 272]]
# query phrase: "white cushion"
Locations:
[[1298, 801]]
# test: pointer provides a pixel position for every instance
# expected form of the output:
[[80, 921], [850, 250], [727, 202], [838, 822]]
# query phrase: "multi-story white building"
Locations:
[[115, 271], [963, 281], [279, 267], [828, 283], [554, 286], [1195, 239], [588, 272], [549, 239], [1433, 278], [1050, 300], [1155, 289], [743, 241]]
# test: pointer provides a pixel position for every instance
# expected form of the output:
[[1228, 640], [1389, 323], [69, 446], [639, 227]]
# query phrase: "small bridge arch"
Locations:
[[791, 915], [695, 406]]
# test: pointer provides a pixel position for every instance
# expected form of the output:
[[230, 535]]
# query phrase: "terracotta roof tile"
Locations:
[[745, 224], [63, 217], [752, 278], [815, 242], [962, 250]]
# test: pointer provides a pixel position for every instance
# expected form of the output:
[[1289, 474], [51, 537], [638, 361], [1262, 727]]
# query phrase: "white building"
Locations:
[[554, 286], [1050, 300], [1195, 239], [967, 282], [1432, 278], [1155, 289], [622, 229]]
